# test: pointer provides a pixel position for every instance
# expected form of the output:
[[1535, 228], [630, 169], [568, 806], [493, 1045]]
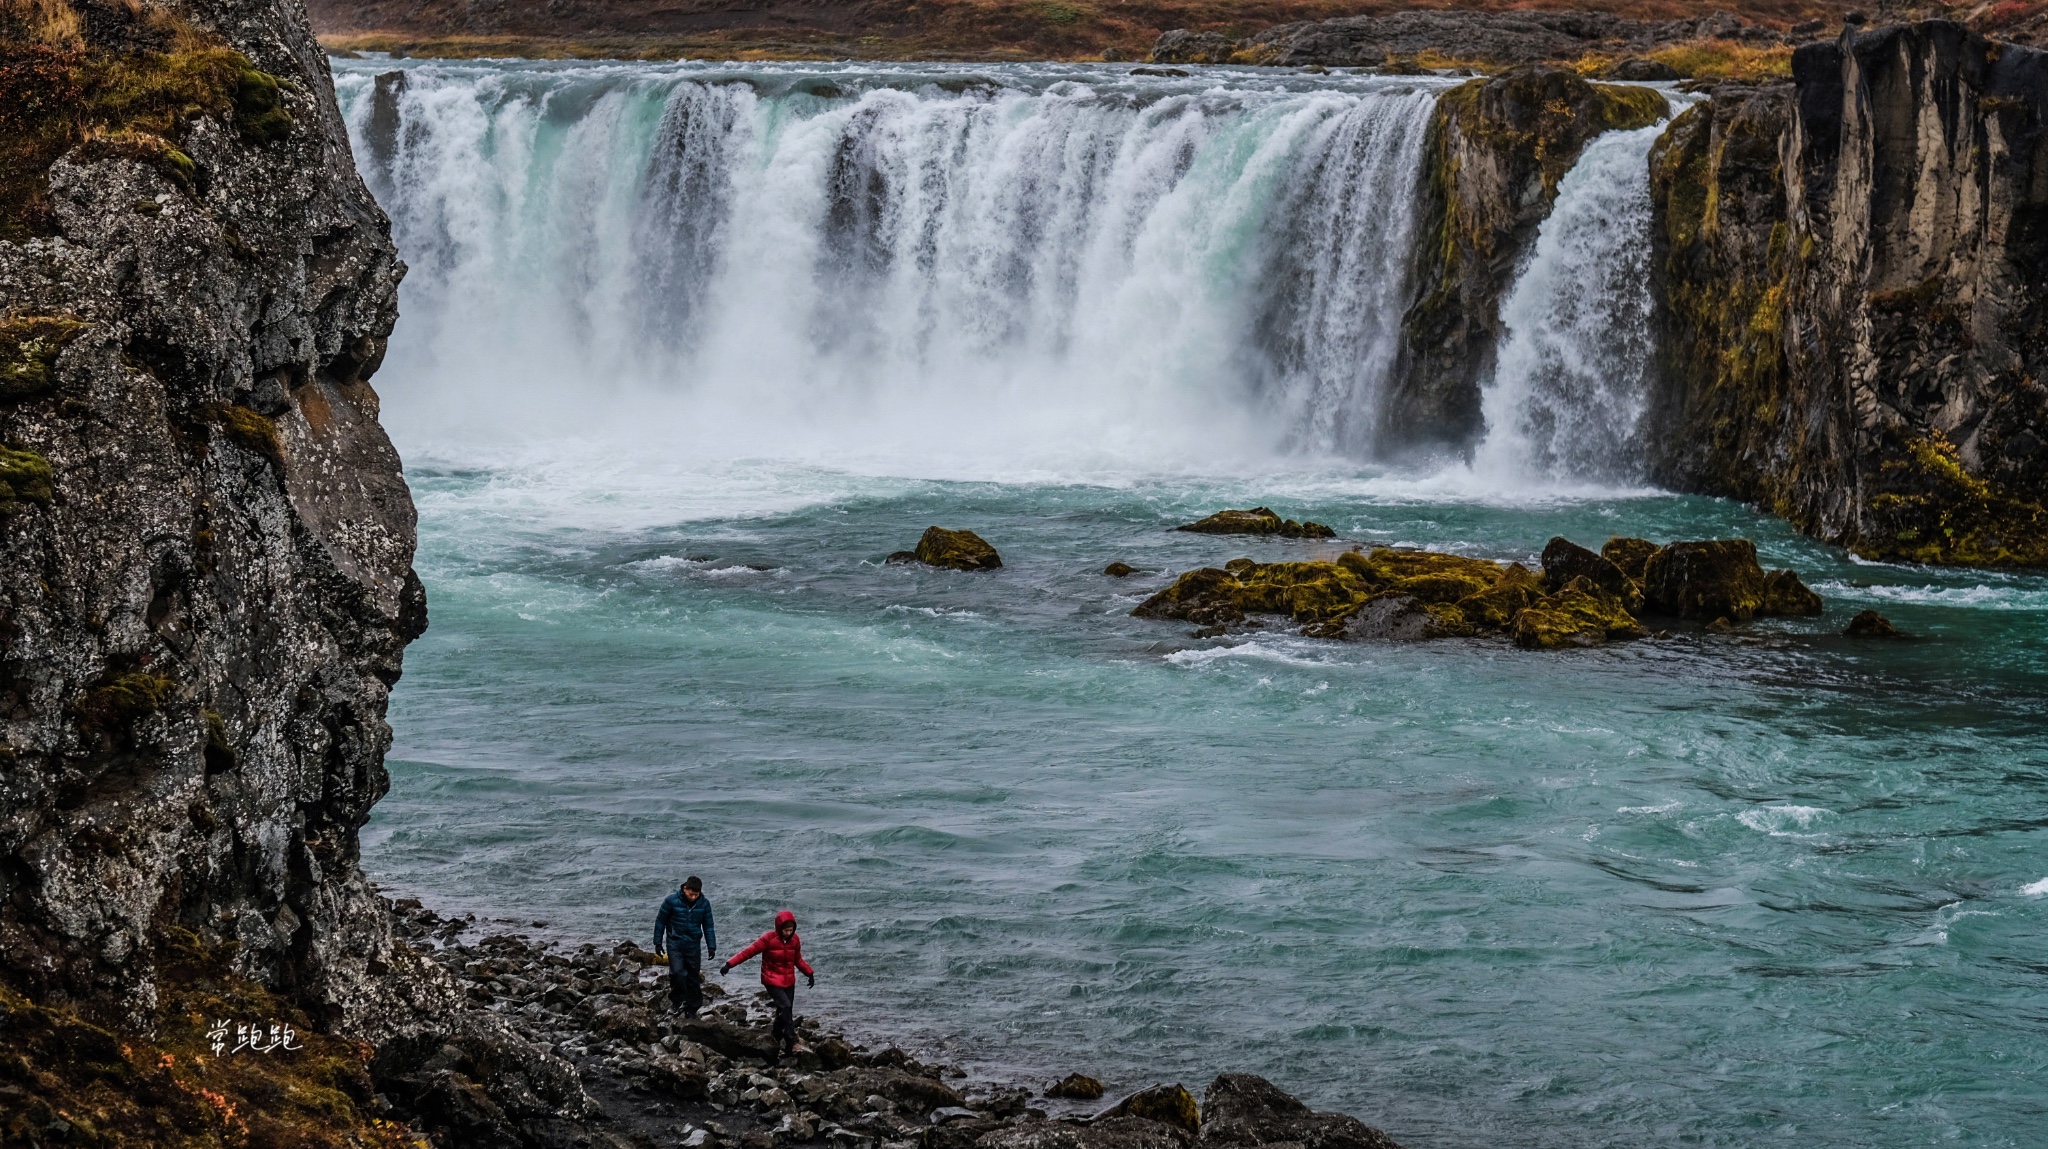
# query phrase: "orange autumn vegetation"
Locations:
[[897, 29], [69, 1078]]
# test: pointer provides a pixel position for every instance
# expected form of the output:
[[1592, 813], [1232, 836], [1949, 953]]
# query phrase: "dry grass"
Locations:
[[1726, 60]]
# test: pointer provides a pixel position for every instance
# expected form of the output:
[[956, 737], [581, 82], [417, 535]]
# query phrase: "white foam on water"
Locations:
[[2036, 889], [1255, 650], [1981, 596], [1777, 821]]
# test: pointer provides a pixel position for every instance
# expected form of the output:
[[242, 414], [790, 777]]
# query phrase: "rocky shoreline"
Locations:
[[655, 1078]]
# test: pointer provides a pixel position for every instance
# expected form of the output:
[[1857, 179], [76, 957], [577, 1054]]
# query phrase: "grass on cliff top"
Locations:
[[1706, 60], [67, 1078], [130, 85], [965, 30]]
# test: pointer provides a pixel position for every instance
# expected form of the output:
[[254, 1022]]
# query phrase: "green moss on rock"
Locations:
[[251, 430], [1933, 510], [1581, 614], [25, 477], [956, 550], [29, 346], [122, 700]]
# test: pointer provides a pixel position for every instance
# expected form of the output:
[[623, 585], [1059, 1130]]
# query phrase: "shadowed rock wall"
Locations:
[[1850, 273]]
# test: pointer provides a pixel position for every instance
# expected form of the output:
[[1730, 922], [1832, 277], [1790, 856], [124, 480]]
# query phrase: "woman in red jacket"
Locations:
[[782, 955]]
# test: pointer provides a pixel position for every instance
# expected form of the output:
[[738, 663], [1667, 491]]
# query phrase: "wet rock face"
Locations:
[[1850, 272], [207, 592], [1497, 149]]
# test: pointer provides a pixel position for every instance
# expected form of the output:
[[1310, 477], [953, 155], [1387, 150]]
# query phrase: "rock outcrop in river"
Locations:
[[1852, 270], [1580, 599]]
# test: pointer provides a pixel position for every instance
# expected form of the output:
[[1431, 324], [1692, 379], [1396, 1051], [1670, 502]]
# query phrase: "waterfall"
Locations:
[[1570, 384], [1040, 251]]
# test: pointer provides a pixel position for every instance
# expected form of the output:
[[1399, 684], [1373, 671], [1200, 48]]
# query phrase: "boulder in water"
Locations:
[[1496, 606], [1119, 570], [1629, 555], [1564, 560], [1715, 578], [1786, 596], [953, 550], [1400, 618], [1582, 613], [1258, 521], [1076, 1087], [1240, 1110], [1167, 1104], [1870, 624]]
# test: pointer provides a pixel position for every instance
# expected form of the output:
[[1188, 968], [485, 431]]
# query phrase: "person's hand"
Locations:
[[811, 981], [725, 969]]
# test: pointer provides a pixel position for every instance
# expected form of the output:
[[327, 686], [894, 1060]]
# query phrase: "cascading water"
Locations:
[[1570, 386], [1068, 255]]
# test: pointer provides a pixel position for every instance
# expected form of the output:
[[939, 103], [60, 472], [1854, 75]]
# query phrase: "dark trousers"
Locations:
[[784, 998], [685, 977]]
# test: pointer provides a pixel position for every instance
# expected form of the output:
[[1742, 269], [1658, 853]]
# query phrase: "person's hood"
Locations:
[[784, 916]]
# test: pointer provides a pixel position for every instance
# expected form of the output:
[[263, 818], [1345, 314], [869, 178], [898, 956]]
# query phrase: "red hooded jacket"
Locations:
[[779, 959]]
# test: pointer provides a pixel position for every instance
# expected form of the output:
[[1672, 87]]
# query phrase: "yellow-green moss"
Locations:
[[123, 699], [29, 346], [252, 430], [155, 72], [1934, 510], [1581, 614], [956, 550], [25, 477]]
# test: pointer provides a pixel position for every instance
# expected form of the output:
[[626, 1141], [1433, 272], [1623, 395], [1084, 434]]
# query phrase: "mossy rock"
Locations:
[[956, 550], [1119, 570], [1258, 521], [1166, 1104], [1933, 510], [1446, 587], [259, 107], [1581, 614], [25, 477], [1076, 1087], [1390, 565], [251, 430], [1399, 618], [1308, 592], [122, 700], [1495, 607], [1785, 596], [29, 346], [1629, 555], [1564, 560], [1716, 578]]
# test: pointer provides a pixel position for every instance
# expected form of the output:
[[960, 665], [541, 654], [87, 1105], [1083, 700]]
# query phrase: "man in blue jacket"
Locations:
[[684, 921]]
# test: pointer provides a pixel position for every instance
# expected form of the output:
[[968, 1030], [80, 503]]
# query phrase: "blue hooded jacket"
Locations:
[[680, 924]]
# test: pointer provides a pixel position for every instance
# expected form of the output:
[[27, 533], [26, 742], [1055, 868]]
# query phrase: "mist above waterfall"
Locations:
[[1066, 265]]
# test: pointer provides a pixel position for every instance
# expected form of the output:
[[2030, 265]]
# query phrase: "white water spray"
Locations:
[[1566, 402], [1065, 259]]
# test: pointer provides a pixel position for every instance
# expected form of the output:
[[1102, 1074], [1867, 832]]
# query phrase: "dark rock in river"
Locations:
[[1166, 1104], [1639, 70], [1850, 272], [1239, 1109], [1629, 555], [1077, 1087], [1258, 521], [1497, 149], [1582, 613], [1119, 570], [1564, 560], [1705, 580], [1870, 624], [953, 550]]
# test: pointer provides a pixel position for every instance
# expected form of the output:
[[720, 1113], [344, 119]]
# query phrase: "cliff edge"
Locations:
[[1851, 271]]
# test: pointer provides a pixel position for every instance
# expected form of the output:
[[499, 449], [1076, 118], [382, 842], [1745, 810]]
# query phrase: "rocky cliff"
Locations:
[[208, 581], [1851, 272], [1496, 151]]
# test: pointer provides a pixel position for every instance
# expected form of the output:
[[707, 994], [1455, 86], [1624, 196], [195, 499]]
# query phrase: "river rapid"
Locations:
[[687, 350]]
